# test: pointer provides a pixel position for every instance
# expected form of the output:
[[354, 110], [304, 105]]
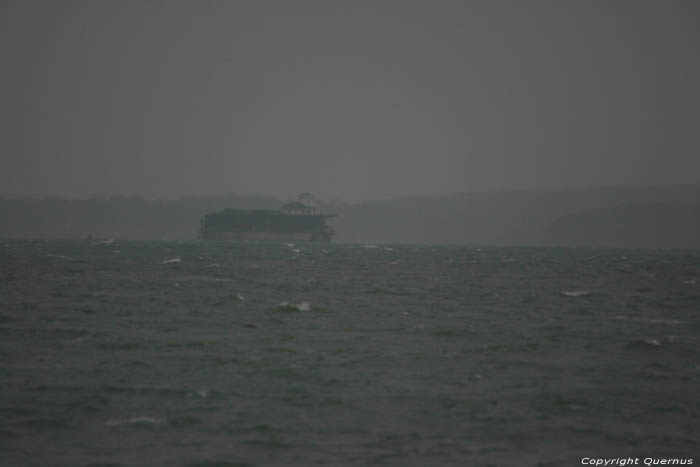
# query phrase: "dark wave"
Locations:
[[449, 356]]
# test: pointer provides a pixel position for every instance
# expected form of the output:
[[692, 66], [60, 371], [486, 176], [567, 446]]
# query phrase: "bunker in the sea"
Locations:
[[298, 220]]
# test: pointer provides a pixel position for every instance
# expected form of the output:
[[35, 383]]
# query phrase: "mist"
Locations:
[[352, 101]]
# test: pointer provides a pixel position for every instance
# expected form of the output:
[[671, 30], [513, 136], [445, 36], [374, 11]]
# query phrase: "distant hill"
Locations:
[[118, 217], [517, 217], [651, 216], [635, 225]]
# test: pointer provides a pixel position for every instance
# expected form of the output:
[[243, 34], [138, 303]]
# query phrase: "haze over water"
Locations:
[[187, 354]]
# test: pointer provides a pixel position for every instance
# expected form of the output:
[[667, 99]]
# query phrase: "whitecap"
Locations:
[[172, 260], [203, 393], [370, 246], [214, 265], [302, 306], [642, 344], [141, 419], [575, 293], [240, 297], [388, 249]]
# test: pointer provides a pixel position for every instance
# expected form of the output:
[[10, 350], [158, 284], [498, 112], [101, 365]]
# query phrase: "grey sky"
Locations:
[[352, 99]]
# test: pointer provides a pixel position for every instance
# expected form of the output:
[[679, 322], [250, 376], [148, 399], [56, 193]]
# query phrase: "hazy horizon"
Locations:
[[323, 199], [354, 101]]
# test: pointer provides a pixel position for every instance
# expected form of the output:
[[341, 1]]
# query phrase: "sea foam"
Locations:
[[301, 306], [575, 293], [140, 419]]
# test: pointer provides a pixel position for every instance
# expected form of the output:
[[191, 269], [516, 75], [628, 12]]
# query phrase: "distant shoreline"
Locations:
[[659, 216]]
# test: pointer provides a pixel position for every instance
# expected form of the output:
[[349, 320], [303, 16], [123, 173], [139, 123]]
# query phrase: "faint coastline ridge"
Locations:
[[642, 217], [627, 216]]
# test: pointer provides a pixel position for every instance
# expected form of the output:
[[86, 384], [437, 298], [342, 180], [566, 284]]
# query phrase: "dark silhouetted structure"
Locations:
[[296, 220]]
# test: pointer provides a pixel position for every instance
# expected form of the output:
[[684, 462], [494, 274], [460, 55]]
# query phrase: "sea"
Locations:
[[126, 353]]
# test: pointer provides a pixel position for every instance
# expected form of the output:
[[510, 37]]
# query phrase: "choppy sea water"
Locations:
[[168, 354]]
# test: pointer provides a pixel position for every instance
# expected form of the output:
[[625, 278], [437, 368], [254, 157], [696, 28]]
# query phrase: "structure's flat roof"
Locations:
[[265, 212]]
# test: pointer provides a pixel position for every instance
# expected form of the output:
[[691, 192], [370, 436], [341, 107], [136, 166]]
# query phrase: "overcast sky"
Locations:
[[353, 99]]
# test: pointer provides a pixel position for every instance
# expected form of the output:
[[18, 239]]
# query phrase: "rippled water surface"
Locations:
[[127, 353]]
